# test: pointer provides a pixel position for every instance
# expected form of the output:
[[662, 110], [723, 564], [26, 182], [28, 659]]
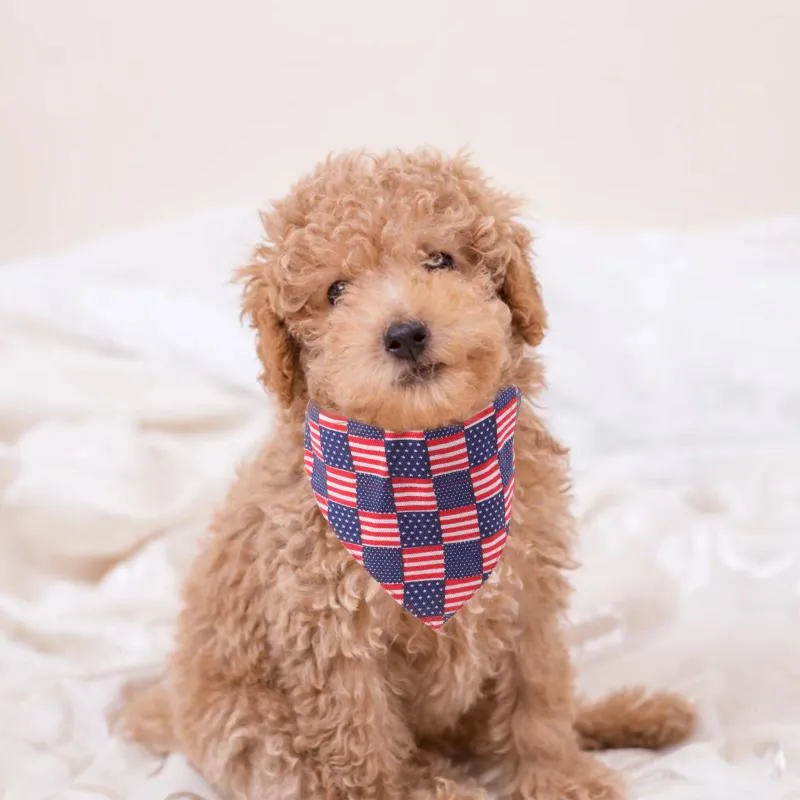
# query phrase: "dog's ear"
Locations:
[[520, 290], [279, 353]]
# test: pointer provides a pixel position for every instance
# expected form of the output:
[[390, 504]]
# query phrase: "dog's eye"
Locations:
[[335, 291], [439, 260]]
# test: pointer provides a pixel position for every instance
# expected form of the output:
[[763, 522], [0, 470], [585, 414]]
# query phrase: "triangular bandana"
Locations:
[[426, 513]]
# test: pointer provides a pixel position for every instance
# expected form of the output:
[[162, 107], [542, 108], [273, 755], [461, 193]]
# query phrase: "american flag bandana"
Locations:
[[426, 513]]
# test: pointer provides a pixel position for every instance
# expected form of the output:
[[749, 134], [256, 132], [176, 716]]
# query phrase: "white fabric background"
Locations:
[[128, 393]]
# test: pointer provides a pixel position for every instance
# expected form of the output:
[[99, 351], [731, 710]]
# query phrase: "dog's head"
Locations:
[[394, 289]]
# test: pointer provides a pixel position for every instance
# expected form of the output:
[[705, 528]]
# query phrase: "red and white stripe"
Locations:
[[379, 530], [413, 494], [459, 524], [316, 445], [412, 436], [433, 622], [323, 504], [423, 563], [491, 549], [508, 497], [486, 480], [448, 454], [308, 461], [480, 417], [341, 486], [369, 455], [333, 422], [458, 591], [395, 590], [506, 421], [354, 550]]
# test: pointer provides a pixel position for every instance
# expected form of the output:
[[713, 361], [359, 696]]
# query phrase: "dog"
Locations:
[[397, 290]]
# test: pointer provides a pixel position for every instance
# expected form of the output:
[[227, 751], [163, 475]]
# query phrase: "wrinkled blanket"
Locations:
[[128, 395]]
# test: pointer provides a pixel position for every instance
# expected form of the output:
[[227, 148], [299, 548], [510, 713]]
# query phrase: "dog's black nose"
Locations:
[[406, 340]]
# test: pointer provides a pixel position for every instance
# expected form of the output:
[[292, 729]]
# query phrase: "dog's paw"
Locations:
[[584, 779]]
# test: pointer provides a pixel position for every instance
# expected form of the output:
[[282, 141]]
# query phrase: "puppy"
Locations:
[[295, 675]]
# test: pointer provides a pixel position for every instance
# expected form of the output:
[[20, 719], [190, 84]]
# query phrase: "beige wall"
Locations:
[[611, 112]]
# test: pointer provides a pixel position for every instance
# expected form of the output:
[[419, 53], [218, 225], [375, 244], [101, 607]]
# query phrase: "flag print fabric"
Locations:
[[426, 513]]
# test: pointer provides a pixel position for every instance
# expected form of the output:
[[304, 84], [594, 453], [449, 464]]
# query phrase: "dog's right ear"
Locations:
[[279, 353], [521, 290]]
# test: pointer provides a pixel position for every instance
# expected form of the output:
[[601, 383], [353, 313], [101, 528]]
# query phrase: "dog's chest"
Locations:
[[440, 679], [437, 697]]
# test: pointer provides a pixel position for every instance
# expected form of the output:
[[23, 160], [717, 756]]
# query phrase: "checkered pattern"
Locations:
[[426, 513]]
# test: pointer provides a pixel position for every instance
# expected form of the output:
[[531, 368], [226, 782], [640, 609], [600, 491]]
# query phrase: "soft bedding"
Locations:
[[128, 394]]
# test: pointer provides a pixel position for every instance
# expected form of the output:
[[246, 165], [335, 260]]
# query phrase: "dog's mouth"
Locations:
[[417, 374]]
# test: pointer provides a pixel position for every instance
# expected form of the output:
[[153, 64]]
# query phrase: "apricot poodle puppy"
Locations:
[[295, 675]]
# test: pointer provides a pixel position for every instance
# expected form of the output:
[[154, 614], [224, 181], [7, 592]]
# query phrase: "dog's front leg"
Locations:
[[526, 733], [355, 731]]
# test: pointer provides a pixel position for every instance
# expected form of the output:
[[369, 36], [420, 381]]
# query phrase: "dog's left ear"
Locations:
[[279, 353], [520, 290]]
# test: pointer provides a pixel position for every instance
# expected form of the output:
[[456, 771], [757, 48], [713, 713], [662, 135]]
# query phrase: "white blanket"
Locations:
[[128, 394]]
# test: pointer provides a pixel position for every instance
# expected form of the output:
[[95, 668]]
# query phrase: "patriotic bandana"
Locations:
[[426, 513]]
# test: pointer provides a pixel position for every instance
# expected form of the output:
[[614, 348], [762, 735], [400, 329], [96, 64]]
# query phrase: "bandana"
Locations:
[[426, 513]]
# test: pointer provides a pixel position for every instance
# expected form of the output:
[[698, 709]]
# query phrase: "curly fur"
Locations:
[[294, 674]]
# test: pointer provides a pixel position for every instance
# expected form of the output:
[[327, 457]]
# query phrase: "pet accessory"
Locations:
[[426, 513]]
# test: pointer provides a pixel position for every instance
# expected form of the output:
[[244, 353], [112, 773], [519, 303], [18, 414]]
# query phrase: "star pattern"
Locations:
[[374, 493], [335, 448], [344, 521], [491, 515], [425, 599], [426, 513], [419, 528], [453, 490], [407, 458], [460, 558], [481, 441], [384, 561]]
